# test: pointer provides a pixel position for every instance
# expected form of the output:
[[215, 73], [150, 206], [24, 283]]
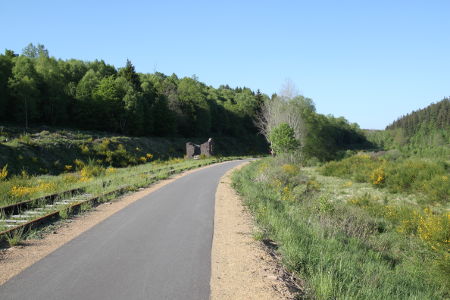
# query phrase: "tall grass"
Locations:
[[341, 249]]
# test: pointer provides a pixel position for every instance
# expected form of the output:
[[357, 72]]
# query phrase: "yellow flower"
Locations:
[[20, 191], [110, 170], [347, 184], [78, 163], [290, 169], [378, 176], [4, 172]]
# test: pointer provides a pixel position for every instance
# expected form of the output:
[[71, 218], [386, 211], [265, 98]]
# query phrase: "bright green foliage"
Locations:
[[23, 85], [6, 64], [129, 73], [282, 139]]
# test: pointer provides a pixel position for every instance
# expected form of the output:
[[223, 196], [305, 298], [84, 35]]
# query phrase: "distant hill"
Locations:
[[434, 116], [425, 132]]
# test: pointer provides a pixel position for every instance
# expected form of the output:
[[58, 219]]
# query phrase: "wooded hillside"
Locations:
[[436, 115], [36, 89]]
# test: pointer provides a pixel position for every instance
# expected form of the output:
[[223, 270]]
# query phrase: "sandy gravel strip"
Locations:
[[15, 259], [240, 267]]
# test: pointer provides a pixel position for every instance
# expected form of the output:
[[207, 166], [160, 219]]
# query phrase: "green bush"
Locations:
[[283, 139]]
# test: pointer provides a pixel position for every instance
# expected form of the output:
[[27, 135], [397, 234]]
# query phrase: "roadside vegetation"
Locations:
[[93, 177], [354, 224], [349, 240]]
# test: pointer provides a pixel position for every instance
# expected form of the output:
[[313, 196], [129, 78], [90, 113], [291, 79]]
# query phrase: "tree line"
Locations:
[[36, 88], [425, 132], [434, 116]]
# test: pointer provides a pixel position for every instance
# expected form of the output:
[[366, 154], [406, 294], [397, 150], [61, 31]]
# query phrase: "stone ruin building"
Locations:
[[194, 150]]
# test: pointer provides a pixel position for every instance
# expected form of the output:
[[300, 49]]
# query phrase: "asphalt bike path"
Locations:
[[158, 247]]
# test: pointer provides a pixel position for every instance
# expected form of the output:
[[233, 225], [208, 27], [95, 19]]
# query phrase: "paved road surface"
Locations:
[[156, 248]]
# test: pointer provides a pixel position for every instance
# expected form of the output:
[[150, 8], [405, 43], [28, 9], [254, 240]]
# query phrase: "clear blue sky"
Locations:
[[369, 61]]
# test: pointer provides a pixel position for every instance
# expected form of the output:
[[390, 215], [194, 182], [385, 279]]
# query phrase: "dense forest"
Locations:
[[38, 89]]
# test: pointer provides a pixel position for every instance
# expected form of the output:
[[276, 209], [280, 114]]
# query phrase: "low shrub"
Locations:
[[430, 178]]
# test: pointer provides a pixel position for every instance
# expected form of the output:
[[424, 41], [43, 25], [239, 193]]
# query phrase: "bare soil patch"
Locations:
[[241, 267]]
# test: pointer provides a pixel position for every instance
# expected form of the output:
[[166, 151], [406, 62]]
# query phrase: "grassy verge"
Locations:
[[94, 178], [348, 240]]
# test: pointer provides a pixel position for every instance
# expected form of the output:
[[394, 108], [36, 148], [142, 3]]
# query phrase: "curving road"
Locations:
[[156, 248]]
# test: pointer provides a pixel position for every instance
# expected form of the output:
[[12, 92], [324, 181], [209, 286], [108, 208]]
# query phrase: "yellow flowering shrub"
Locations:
[[435, 230], [84, 149], [4, 172], [90, 170], [70, 178], [378, 176], [290, 169], [21, 191], [348, 184], [286, 194], [408, 225], [111, 170], [78, 163]]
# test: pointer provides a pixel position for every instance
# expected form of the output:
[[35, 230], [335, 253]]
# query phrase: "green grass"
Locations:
[[332, 233], [15, 238]]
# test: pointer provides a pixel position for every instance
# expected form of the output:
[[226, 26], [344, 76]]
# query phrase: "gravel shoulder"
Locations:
[[240, 267]]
